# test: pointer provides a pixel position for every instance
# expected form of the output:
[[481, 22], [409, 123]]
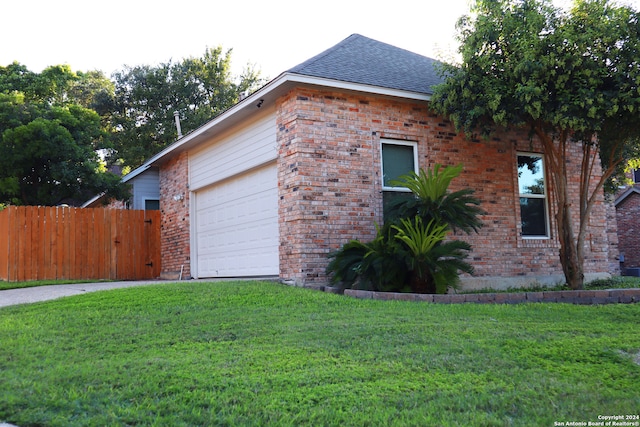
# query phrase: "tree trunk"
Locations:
[[571, 258], [421, 285], [591, 185]]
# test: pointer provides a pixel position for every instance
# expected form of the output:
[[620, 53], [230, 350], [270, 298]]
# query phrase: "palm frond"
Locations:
[[420, 238], [459, 209], [431, 184]]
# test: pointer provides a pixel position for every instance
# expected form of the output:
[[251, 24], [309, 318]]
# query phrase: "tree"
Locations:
[[57, 84], [48, 142], [146, 98], [571, 77]]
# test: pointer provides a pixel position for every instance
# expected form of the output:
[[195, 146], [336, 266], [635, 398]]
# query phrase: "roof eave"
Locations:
[[357, 87], [629, 191], [268, 94]]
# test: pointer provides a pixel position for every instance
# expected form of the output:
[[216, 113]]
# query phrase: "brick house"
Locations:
[[301, 166], [627, 205]]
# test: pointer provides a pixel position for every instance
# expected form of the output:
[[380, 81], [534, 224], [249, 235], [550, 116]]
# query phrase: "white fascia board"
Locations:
[[268, 93], [92, 200], [357, 87], [137, 171]]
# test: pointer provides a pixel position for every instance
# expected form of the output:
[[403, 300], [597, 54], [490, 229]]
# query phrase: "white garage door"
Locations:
[[237, 226]]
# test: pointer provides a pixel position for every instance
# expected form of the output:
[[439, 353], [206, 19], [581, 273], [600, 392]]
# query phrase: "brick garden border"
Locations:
[[611, 296]]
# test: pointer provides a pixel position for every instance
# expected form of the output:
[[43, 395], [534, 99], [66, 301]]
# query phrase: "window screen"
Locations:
[[397, 160], [151, 205]]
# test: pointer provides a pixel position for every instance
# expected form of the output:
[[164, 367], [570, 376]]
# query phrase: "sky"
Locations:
[[272, 35]]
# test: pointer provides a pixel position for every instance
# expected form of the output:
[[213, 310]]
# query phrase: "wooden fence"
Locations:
[[44, 243]]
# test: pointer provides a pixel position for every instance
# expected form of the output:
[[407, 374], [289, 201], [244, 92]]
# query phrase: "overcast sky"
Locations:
[[274, 35]]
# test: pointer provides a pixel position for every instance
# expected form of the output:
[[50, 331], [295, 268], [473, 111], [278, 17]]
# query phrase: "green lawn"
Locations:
[[616, 282], [258, 354]]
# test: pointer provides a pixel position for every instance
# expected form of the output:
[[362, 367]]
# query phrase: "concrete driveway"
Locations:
[[45, 293]]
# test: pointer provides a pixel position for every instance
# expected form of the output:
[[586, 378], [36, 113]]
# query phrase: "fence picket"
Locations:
[[48, 243], [4, 245], [25, 233]]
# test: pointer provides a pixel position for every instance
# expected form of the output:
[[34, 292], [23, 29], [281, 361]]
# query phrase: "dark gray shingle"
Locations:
[[358, 59]]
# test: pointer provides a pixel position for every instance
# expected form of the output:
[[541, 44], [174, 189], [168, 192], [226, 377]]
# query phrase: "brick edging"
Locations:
[[611, 296]]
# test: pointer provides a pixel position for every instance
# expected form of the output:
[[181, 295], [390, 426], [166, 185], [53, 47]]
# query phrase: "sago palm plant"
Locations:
[[434, 264], [377, 265], [410, 252], [432, 200]]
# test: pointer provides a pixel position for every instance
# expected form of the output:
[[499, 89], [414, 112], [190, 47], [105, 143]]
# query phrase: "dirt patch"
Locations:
[[634, 357]]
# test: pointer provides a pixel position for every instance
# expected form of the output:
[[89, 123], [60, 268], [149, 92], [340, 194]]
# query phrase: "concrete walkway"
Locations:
[[45, 293]]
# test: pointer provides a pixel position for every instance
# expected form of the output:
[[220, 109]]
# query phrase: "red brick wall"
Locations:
[[174, 205], [330, 184], [613, 236], [628, 214]]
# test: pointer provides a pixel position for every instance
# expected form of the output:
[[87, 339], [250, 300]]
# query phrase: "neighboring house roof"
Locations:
[[358, 59], [628, 192], [97, 200]]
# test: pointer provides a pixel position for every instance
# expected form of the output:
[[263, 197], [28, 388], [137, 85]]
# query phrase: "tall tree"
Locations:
[[571, 77], [146, 98], [49, 142]]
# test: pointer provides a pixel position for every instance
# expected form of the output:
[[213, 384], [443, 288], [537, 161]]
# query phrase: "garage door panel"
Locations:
[[237, 226]]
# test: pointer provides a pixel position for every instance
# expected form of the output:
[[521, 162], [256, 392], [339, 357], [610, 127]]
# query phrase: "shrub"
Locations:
[[410, 252], [434, 264], [378, 265]]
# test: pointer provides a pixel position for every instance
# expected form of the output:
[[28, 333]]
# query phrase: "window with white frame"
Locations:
[[398, 158], [533, 196]]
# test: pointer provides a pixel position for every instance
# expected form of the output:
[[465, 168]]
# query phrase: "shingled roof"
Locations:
[[359, 59]]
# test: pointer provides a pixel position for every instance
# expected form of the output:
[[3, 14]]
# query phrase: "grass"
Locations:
[[259, 354], [616, 282]]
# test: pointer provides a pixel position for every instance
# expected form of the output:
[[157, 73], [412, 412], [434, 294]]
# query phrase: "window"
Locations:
[[398, 158], [151, 205], [533, 196]]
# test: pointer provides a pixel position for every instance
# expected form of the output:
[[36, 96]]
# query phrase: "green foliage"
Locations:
[[432, 200], [63, 119], [409, 253], [430, 184], [525, 62], [434, 263], [263, 354], [49, 140], [376, 265], [146, 97], [56, 84], [420, 238]]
